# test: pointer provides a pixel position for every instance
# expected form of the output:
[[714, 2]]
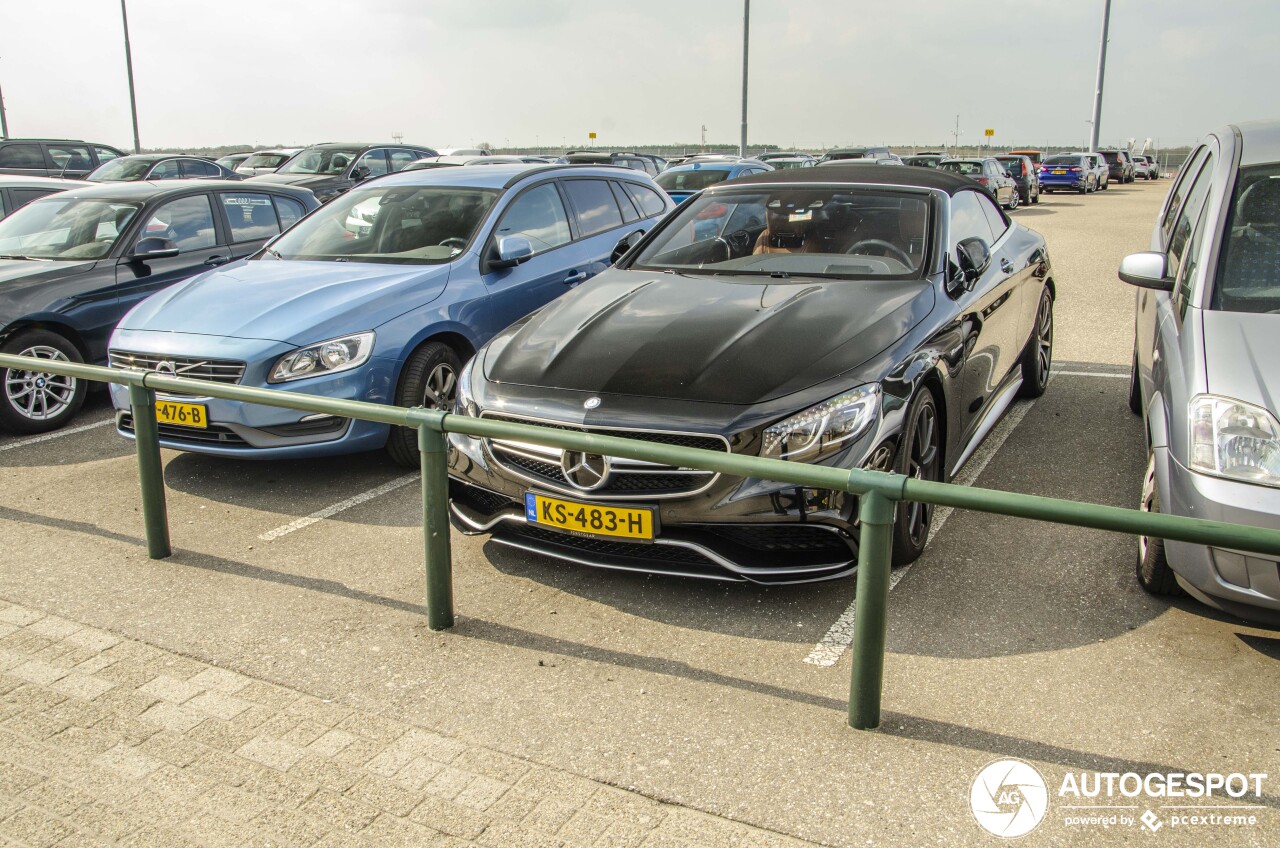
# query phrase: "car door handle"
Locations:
[[575, 278], [1006, 265], [217, 260]]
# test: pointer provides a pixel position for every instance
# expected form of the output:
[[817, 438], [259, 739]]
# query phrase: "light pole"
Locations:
[[1102, 66], [4, 122], [746, 29], [128, 62]]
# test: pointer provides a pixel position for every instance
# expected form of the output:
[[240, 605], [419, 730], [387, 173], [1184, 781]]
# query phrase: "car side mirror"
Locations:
[[512, 250], [974, 256], [1146, 270], [360, 173], [153, 247], [625, 244]]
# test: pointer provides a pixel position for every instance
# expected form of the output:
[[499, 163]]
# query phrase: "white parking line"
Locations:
[[320, 515], [70, 431], [840, 635]]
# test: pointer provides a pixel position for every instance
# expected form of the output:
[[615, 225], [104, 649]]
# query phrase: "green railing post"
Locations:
[[155, 515], [432, 445], [871, 606]]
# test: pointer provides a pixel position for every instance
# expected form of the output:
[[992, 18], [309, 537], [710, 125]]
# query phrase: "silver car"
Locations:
[[1207, 340]]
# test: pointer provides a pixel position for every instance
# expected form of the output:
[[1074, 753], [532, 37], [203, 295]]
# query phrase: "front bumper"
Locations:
[[253, 431], [732, 529], [1239, 582]]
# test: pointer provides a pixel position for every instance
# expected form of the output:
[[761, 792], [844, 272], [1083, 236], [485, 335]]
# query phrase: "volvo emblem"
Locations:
[[586, 471], [164, 366], [591, 403]]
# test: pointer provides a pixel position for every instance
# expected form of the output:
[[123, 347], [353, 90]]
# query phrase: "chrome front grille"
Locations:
[[629, 479], [197, 368]]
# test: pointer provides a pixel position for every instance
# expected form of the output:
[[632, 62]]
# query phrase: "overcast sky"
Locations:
[[823, 72]]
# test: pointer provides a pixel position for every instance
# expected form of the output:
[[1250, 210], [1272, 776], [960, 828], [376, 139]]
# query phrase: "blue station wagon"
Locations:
[[380, 296]]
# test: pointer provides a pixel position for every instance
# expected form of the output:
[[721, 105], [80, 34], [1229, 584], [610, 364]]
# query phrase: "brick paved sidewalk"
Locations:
[[110, 741]]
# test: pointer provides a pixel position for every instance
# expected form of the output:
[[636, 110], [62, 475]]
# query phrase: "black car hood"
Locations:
[[705, 339], [32, 284], [311, 181]]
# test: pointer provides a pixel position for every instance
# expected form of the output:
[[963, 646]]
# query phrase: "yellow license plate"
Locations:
[[182, 414], [1059, 172], [585, 519]]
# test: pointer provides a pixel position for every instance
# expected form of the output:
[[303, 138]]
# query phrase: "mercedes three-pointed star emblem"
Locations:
[[586, 471]]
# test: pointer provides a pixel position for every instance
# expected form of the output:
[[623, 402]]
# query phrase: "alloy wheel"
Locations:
[[1148, 501], [1044, 339], [441, 388], [39, 395], [922, 465]]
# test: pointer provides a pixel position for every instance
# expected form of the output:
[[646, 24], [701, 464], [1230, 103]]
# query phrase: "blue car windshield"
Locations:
[[842, 233], [396, 225], [692, 179]]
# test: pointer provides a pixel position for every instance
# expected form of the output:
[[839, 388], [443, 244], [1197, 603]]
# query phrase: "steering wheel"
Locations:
[[888, 247], [454, 241]]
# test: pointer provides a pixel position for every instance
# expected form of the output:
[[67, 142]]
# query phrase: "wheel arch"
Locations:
[[63, 329], [452, 337]]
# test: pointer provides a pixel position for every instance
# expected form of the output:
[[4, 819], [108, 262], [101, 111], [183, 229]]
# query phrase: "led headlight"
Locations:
[[823, 429], [1236, 440], [465, 404], [335, 355]]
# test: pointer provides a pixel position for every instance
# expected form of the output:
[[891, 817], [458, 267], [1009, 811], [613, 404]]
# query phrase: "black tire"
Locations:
[[430, 379], [1154, 574], [37, 402], [1035, 198], [1037, 356], [1106, 185], [919, 455], [1135, 390]]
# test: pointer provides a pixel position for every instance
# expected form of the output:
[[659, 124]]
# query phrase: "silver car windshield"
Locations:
[[64, 229], [321, 160], [400, 225], [1248, 275], [849, 233]]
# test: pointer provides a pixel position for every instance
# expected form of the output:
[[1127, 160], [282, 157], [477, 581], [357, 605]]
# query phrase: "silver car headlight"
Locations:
[[824, 429], [340, 354], [1235, 440], [465, 403]]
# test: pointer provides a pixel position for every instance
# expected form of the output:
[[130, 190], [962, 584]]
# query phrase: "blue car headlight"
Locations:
[[340, 354], [824, 429]]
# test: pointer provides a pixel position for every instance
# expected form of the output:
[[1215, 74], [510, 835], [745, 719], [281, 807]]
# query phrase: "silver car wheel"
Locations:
[[1147, 502], [39, 395]]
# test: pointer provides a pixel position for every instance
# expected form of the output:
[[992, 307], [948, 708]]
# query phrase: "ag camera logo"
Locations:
[[1009, 798]]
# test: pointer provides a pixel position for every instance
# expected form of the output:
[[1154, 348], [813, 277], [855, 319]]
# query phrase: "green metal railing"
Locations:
[[878, 493]]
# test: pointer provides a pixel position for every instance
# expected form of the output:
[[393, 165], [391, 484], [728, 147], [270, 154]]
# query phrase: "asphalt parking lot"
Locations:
[[1007, 638]]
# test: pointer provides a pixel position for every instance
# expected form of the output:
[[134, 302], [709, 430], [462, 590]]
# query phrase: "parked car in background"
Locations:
[[925, 160], [1098, 166], [1206, 341], [783, 154], [160, 166], [651, 165], [784, 163], [1119, 165], [465, 151], [50, 157], [266, 161], [16, 192], [990, 174], [1067, 171], [379, 296], [1036, 156], [73, 263], [333, 168], [457, 161], [681, 181], [857, 153], [1024, 174], [692, 339], [868, 161], [1144, 166], [232, 161], [694, 157]]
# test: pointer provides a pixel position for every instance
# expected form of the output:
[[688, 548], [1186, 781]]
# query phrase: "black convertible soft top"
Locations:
[[865, 175]]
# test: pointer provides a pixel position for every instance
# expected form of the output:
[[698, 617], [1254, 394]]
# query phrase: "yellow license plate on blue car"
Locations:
[[587, 519], [182, 414]]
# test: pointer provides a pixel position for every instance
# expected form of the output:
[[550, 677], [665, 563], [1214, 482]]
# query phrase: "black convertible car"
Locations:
[[863, 316]]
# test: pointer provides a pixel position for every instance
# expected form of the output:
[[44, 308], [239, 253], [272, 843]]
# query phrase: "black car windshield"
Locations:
[[65, 229], [1110, 155], [845, 232], [264, 160], [1248, 278], [321, 160], [121, 170], [1011, 164], [399, 225], [1063, 161], [694, 179]]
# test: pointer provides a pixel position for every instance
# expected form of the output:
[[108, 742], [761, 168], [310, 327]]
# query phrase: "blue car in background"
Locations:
[[1069, 171], [682, 181], [380, 296]]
